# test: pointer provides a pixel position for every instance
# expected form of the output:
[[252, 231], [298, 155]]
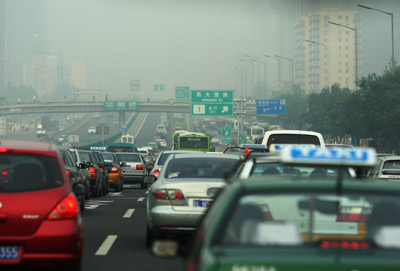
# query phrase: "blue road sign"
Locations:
[[272, 106]]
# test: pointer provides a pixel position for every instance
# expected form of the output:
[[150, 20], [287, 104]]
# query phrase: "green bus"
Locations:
[[194, 142], [175, 135], [180, 121]]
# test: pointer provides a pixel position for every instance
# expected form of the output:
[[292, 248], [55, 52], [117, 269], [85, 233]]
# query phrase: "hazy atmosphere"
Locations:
[[173, 42]]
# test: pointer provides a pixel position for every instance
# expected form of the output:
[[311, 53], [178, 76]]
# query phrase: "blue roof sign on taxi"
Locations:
[[98, 148], [365, 157]]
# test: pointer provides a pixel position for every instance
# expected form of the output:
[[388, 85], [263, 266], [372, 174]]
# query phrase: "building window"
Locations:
[[347, 63], [340, 55], [325, 55], [347, 79], [325, 32], [347, 47], [347, 18], [340, 78], [326, 71], [340, 47], [340, 17], [347, 32], [326, 18], [347, 55], [347, 71], [340, 63], [347, 40], [340, 71], [340, 40]]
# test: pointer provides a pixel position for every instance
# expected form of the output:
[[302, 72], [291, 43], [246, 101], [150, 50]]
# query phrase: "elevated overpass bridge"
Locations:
[[98, 106]]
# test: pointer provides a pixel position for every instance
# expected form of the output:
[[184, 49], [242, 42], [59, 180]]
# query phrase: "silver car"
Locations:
[[162, 158], [387, 168], [183, 191], [133, 170]]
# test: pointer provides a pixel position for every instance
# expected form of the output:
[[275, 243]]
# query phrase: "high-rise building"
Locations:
[[78, 74], [325, 53], [41, 74]]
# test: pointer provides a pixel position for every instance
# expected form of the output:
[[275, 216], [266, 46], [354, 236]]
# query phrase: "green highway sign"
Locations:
[[182, 93], [225, 109], [226, 134], [212, 96], [121, 106], [212, 102]]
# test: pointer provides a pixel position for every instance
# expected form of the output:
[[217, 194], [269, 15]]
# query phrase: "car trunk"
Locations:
[[22, 213]]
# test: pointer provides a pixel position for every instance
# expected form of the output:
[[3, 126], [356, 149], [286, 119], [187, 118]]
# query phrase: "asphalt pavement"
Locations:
[[115, 230]]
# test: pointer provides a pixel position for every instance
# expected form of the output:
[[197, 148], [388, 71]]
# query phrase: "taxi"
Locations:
[[300, 224]]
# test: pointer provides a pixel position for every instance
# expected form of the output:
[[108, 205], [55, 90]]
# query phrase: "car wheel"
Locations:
[[122, 185], [97, 192], [82, 205], [117, 187], [150, 236]]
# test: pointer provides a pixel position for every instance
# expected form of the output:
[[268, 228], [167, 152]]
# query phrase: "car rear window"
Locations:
[[129, 158], [199, 167], [120, 149], [86, 156], [21, 173], [304, 219], [107, 157], [293, 139]]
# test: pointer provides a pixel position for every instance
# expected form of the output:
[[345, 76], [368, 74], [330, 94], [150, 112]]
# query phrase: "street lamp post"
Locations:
[[356, 49], [279, 68], [253, 58], [391, 15], [252, 82], [291, 60]]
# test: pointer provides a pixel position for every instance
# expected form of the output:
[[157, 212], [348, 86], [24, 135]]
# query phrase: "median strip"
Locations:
[[128, 213], [107, 244]]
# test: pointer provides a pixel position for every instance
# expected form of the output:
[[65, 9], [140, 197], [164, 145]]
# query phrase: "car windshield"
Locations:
[[129, 158], [119, 149], [293, 139], [21, 173], [298, 219], [199, 168], [298, 171]]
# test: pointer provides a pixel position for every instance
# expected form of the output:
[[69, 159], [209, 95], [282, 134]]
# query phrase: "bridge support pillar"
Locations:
[[121, 118]]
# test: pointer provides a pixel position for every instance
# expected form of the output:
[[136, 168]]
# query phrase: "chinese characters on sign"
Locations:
[[212, 102], [272, 106], [121, 106]]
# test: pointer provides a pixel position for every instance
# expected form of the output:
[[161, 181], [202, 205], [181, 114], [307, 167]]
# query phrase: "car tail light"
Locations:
[[114, 169], [354, 245], [67, 208], [3, 150], [172, 194], [156, 173], [353, 214], [92, 172], [139, 167], [69, 175], [190, 266]]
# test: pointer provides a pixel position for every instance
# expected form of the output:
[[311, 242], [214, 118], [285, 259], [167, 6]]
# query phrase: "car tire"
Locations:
[[87, 194], [82, 203], [117, 187], [97, 192], [122, 185], [150, 236]]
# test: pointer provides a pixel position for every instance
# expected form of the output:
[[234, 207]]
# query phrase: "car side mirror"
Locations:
[[149, 179], [82, 166], [109, 164], [89, 164], [149, 166]]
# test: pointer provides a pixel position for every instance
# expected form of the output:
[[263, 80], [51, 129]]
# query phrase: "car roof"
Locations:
[[261, 183], [119, 144], [206, 155], [29, 146]]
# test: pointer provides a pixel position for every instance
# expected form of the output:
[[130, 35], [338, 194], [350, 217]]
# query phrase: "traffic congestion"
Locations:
[[230, 135]]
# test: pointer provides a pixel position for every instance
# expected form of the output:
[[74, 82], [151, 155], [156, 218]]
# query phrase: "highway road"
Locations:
[[115, 230]]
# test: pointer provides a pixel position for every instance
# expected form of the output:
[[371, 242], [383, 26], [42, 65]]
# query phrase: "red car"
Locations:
[[40, 222]]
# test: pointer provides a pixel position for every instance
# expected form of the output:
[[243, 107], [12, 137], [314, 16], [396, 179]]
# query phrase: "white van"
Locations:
[[297, 137]]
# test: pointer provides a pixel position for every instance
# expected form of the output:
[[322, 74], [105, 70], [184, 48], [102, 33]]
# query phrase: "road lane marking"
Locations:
[[147, 192], [140, 199], [107, 244], [113, 194], [128, 213]]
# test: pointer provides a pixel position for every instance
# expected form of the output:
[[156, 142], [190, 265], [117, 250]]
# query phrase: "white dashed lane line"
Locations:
[[128, 213], [140, 199], [106, 246]]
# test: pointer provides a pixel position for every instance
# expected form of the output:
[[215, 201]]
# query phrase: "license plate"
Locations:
[[9, 252], [201, 203], [126, 168]]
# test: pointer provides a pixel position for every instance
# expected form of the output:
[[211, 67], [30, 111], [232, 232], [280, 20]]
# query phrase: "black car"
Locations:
[[95, 172], [104, 166], [76, 174]]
